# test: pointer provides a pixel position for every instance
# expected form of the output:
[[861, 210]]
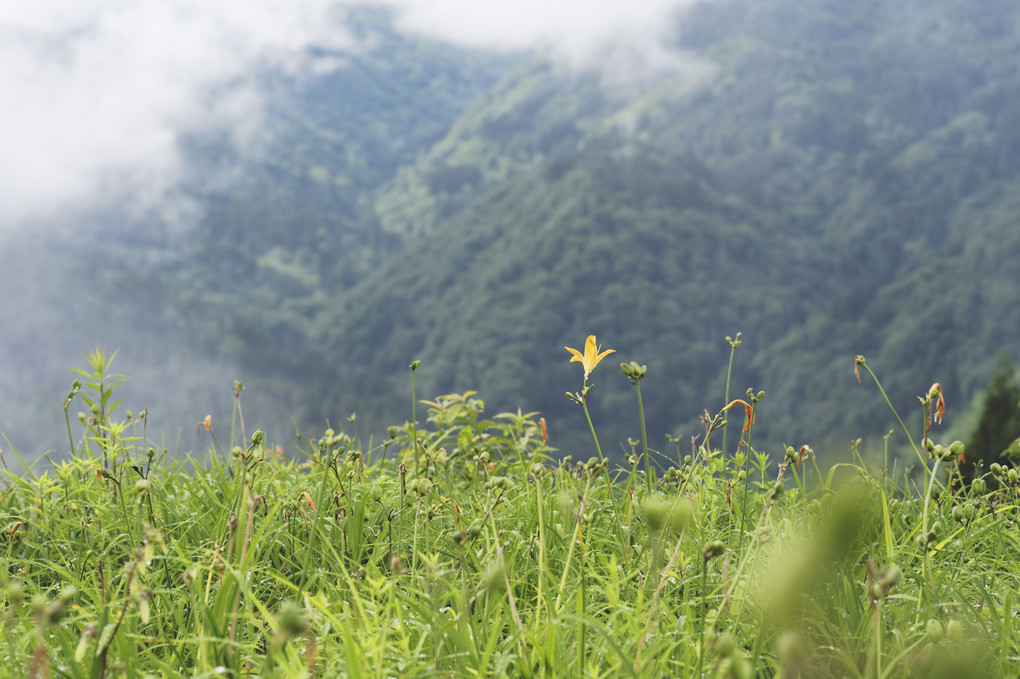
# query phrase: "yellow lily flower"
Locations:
[[591, 356]]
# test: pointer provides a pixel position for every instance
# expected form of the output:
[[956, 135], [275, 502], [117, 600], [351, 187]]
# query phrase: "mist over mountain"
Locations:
[[831, 178]]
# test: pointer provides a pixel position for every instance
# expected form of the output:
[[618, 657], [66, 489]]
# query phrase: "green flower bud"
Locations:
[[256, 438], [957, 513], [1011, 475], [934, 630], [978, 486], [969, 511], [655, 511], [15, 592], [726, 645], [956, 448], [68, 594], [712, 550], [740, 668], [494, 577], [292, 620], [38, 603], [954, 630]]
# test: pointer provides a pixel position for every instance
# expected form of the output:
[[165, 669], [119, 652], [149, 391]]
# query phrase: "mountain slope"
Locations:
[[840, 183]]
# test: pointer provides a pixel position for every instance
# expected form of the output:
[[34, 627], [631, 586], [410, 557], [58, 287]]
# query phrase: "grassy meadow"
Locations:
[[464, 545]]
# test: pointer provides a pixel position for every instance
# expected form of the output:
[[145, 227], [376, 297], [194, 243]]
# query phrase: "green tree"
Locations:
[[999, 425]]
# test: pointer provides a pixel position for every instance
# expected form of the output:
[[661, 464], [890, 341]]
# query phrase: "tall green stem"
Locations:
[[747, 481], [414, 418], [644, 438], [920, 458], [591, 427], [704, 616], [729, 372]]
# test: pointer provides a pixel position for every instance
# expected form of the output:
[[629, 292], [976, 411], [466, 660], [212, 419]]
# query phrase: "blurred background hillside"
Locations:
[[828, 177]]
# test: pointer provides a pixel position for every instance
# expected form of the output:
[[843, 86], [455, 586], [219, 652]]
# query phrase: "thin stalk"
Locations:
[[579, 609], [609, 483], [729, 373], [644, 438], [541, 547], [704, 616], [70, 437], [747, 480], [414, 418], [920, 458], [579, 535], [583, 405], [924, 532]]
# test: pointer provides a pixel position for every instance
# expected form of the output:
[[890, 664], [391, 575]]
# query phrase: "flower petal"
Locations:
[[590, 349], [595, 361]]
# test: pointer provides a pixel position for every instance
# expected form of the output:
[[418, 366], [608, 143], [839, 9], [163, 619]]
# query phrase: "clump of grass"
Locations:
[[461, 546]]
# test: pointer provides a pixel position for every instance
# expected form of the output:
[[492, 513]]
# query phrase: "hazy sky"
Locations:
[[98, 92]]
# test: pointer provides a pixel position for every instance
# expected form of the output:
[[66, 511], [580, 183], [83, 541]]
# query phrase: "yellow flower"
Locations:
[[591, 356]]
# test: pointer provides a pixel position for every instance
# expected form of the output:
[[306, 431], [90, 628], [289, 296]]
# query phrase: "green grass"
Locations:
[[461, 547]]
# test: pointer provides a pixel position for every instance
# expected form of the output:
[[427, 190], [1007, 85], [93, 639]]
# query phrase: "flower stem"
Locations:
[[414, 421], [920, 458], [584, 405], [729, 373], [644, 438]]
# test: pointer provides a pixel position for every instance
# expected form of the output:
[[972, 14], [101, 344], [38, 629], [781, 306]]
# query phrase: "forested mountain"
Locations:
[[843, 180], [830, 177]]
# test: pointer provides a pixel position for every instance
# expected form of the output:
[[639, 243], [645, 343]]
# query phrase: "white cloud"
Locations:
[[583, 32], [97, 93]]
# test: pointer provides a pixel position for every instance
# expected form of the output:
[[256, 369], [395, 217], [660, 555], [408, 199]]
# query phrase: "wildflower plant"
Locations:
[[589, 359], [473, 553]]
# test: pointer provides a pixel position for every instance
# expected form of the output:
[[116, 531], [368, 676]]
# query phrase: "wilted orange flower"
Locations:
[[207, 423], [545, 432], [748, 412], [940, 404], [308, 501], [591, 356]]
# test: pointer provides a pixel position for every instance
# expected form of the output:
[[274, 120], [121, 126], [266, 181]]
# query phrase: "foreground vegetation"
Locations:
[[460, 546]]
